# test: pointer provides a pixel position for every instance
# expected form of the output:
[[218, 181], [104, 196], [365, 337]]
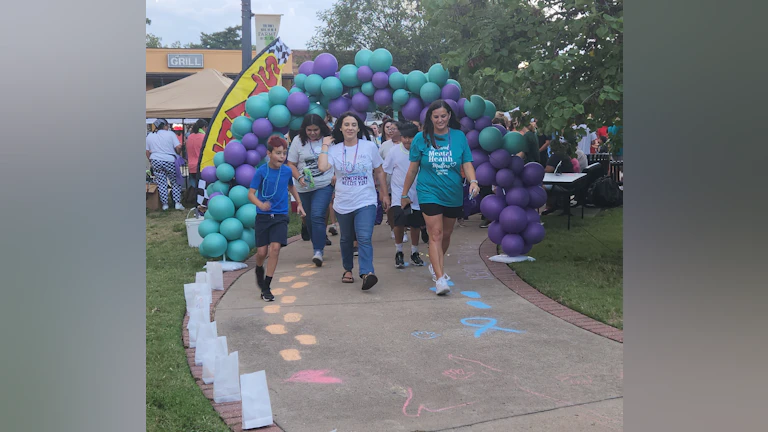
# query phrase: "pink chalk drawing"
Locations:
[[575, 379], [424, 408], [314, 376], [457, 374], [471, 364]]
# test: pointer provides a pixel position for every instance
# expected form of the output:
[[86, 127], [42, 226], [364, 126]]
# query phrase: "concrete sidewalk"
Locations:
[[400, 358]]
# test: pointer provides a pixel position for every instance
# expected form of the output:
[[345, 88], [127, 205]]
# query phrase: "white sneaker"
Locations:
[[165, 207], [441, 286], [318, 259], [179, 206]]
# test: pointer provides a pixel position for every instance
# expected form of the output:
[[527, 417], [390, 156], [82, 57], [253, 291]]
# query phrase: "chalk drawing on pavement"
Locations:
[[490, 324], [314, 377], [425, 334]]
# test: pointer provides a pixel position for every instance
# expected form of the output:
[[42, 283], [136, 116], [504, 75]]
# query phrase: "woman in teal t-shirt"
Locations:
[[438, 154]]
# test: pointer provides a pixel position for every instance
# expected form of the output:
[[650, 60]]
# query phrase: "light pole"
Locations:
[[246, 31]]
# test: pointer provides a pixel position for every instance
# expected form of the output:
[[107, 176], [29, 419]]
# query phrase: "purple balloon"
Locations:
[[486, 174], [461, 112], [423, 115], [516, 165], [360, 102], [262, 128], [501, 129], [209, 174], [364, 74], [283, 130], [491, 206], [513, 219], [339, 105], [306, 67], [234, 153], [450, 92], [250, 141], [252, 158], [482, 123], [454, 106], [479, 157], [262, 149], [214, 194], [526, 249], [325, 65], [297, 103], [533, 174], [533, 233], [412, 109], [518, 183], [383, 97], [512, 245], [473, 139], [532, 215], [500, 158], [499, 190], [392, 70], [505, 178], [244, 174], [467, 125], [537, 197], [380, 80], [518, 197], [496, 232]]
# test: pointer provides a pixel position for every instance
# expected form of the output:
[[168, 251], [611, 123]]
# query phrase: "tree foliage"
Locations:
[[152, 40], [227, 39]]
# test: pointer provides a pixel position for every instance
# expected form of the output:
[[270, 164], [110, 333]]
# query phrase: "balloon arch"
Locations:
[[372, 82]]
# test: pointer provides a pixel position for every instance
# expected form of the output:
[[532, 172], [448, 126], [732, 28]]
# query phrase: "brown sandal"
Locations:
[[347, 279], [369, 281]]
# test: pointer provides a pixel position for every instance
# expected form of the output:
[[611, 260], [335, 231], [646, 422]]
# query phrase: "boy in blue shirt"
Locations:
[[269, 192]]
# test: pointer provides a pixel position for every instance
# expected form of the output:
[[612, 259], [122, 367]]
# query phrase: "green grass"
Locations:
[[174, 401], [581, 268]]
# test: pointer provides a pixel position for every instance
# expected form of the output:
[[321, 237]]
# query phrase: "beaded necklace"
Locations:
[[264, 184]]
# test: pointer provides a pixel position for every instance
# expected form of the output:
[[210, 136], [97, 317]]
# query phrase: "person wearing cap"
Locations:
[[163, 150], [194, 149]]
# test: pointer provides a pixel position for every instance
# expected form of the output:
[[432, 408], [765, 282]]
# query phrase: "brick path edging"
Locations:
[[508, 277]]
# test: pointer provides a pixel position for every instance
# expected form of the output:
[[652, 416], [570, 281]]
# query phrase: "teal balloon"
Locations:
[[278, 95], [438, 74], [295, 90], [207, 215], [221, 208], [241, 126], [208, 226], [238, 250], [257, 106], [415, 80], [279, 116], [221, 187], [348, 75], [225, 172], [239, 196], [249, 236], [429, 92], [363, 57], [316, 109], [313, 83], [490, 109], [298, 80], [296, 122], [218, 159], [400, 96], [332, 87], [353, 91], [247, 215], [314, 99], [201, 249], [454, 82], [397, 81], [396, 106], [231, 228], [490, 139], [372, 107], [324, 101], [514, 143], [368, 89], [474, 107], [381, 60], [214, 245]]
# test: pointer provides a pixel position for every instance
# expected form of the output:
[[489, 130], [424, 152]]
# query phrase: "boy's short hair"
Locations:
[[276, 141], [407, 129]]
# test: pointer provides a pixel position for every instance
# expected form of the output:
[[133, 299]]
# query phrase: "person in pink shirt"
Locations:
[[194, 148]]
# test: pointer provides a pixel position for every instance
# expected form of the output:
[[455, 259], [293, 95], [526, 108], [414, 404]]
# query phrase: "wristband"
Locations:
[[473, 181], [324, 152], [405, 196]]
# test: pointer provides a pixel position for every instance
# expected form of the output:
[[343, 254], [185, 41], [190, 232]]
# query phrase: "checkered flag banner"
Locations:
[[280, 50], [202, 195]]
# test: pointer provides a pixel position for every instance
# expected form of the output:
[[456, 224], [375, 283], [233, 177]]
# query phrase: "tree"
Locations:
[[397, 25], [558, 59], [228, 39], [152, 40]]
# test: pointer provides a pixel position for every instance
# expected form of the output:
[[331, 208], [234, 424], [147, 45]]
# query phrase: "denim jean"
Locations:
[[316, 204], [357, 225]]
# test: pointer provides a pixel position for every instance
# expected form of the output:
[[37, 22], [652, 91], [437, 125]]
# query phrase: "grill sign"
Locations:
[[185, 61]]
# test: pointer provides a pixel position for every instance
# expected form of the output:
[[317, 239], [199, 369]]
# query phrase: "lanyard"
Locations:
[[264, 184], [344, 158]]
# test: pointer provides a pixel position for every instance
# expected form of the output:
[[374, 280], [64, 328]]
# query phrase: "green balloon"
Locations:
[[514, 143], [397, 81], [298, 80], [348, 75], [231, 228], [313, 83], [249, 236], [332, 87], [474, 107], [490, 109], [214, 245], [247, 215], [239, 196], [278, 95], [208, 226], [368, 89], [220, 187], [353, 91], [363, 57], [381, 60], [454, 82], [316, 109], [218, 159], [237, 250], [400, 96], [279, 116], [257, 106], [415, 80], [438, 74], [296, 122], [225, 172], [429, 92], [221, 207], [241, 126], [490, 139]]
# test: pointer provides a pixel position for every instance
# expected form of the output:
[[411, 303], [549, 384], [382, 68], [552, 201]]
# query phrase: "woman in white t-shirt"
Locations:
[[391, 135], [163, 150], [355, 160], [314, 186]]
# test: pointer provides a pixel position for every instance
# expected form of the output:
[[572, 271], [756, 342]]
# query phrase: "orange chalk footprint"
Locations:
[[306, 339], [292, 317], [272, 309], [304, 265], [308, 273], [290, 355], [286, 279], [276, 329], [299, 285], [278, 291], [287, 299]]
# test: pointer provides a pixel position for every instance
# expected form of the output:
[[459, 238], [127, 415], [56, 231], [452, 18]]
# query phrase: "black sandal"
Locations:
[[266, 295], [347, 279], [369, 281]]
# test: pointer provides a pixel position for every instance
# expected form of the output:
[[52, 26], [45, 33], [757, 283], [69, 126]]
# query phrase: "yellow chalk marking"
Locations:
[[306, 339], [276, 329], [278, 291], [299, 285], [287, 299], [272, 309], [292, 317], [290, 355], [308, 273], [287, 278]]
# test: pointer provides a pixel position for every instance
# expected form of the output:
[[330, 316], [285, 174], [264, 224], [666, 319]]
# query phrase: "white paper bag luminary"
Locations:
[[257, 408], [226, 382], [206, 339], [215, 275], [219, 349]]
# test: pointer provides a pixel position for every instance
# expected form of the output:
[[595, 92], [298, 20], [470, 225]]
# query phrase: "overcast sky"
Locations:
[[183, 20]]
